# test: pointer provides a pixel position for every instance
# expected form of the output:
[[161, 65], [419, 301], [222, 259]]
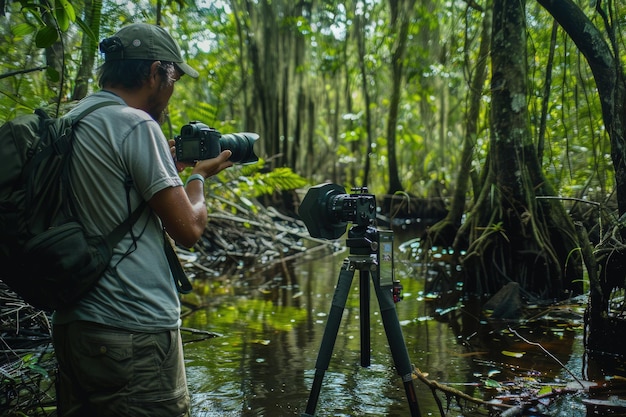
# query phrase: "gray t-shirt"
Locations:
[[137, 292]]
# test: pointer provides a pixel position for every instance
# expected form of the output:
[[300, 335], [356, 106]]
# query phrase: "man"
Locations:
[[119, 349]]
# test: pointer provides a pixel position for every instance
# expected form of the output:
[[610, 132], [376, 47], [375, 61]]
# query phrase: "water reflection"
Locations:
[[263, 362]]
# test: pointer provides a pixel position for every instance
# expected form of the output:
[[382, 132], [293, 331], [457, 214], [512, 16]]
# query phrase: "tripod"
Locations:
[[364, 244]]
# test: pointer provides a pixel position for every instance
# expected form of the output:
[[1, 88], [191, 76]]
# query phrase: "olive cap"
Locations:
[[145, 41]]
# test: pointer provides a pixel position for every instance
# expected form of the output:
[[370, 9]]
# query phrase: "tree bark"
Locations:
[[89, 47], [602, 328], [513, 237], [444, 232], [400, 20]]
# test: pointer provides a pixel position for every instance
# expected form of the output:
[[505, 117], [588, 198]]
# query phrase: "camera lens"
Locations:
[[241, 145]]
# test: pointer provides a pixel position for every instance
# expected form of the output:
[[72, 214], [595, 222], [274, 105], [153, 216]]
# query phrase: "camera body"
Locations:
[[198, 141], [327, 209]]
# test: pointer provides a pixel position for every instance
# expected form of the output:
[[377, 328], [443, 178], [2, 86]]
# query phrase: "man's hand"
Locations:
[[209, 167], [206, 168]]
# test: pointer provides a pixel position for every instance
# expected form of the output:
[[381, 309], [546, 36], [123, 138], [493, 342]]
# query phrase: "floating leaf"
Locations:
[[513, 354], [492, 383]]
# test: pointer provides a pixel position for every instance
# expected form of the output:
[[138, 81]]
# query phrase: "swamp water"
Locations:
[[262, 362]]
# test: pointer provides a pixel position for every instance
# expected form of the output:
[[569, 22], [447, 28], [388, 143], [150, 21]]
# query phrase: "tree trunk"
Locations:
[[513, 237], [88, 49], [603, 328], [443, 232], [263, 59], [360, 23], [400, 20], [609, 78]]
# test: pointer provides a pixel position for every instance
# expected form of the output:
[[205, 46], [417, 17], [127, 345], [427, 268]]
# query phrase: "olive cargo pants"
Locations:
[[105, 372]]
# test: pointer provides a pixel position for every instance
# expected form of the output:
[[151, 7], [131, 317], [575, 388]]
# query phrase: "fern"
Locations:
[[201, 111], [253, 181]]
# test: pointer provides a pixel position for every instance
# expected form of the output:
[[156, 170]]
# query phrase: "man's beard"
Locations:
[[162, 117]]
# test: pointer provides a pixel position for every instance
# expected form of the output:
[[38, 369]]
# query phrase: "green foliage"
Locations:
[[441, 57], [253, 181], [51, 19], [258, 183]]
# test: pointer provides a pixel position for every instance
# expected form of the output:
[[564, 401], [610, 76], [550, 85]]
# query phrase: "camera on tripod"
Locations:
[[326, 210], [198, 141]]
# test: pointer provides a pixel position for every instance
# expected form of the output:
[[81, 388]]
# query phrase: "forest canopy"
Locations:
[[328, 85]]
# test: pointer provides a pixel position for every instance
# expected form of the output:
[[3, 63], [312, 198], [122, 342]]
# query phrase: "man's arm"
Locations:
[[183, 209]]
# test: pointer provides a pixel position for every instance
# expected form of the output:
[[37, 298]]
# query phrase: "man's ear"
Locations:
[[154, 71]]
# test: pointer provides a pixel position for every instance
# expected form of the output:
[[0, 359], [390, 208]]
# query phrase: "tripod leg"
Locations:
[[330, 334], [395, 338], [364, 299]]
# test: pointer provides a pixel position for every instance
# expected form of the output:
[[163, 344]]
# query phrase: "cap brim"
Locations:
[[187, 69]]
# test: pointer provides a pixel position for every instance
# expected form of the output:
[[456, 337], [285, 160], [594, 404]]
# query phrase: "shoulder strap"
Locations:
[[114, 237], [178, 273], [81, 115], [68, 143]]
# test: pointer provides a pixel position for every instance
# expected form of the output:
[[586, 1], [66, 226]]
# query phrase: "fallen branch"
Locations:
[[550, 355], [508, 410], [449, 391]]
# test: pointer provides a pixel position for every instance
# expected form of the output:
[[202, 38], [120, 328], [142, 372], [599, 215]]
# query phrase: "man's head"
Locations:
[[142, 41], [140, 55]]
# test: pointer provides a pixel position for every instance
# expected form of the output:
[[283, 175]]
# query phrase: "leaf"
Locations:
[[53, 75], [46, 37], [64, 13], [39, 370], [86, 29], [513, 354], [22, 29], [492, 383], [545, 390]]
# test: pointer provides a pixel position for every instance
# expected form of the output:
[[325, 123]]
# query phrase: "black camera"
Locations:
[[326, 210], [198, 141]]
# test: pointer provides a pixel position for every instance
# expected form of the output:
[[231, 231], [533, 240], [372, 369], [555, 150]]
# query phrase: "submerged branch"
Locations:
[[549, 354]]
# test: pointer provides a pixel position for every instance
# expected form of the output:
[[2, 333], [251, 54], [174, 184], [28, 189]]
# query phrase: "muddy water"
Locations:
[[263, 360]]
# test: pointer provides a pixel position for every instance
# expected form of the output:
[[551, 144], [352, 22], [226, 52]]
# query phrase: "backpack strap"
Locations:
[[65, 143], [81, 115], [62, 142], [178, 273], [114, 237]]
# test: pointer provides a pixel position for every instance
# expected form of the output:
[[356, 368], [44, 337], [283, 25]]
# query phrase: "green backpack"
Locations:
[[45, 255]]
